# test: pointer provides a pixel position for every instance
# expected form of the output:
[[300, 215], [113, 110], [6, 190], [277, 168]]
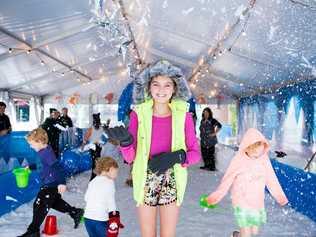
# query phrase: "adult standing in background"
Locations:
[[94, 136], [65, 120], [5, 125], [66, 137], [209, 127], [50, 126]]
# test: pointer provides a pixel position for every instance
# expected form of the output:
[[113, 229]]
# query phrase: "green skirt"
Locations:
[[248, 217]]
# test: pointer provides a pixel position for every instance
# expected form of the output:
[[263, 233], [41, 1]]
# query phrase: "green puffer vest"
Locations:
[[144, 113]]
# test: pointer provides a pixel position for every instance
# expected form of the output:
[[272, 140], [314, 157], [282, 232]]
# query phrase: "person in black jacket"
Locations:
[[65, 120], [53, 132], [209, 127], [5, 125]]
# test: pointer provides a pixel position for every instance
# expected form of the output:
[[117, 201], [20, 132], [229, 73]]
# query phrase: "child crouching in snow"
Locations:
[[101, 217], [249, 172], [53, 184]]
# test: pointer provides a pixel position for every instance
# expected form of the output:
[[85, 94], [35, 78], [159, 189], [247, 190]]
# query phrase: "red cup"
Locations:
[[50, 227]]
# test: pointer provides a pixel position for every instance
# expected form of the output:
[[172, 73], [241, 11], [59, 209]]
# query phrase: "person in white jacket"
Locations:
[[100, 197]]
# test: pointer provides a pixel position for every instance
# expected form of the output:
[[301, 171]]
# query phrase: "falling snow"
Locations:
[[282, 221]]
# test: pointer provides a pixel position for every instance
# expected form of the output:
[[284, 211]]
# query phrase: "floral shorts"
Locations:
[[160, 189], [248, 217]]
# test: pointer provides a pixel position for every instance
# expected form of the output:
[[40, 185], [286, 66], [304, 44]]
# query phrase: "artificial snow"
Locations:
[[193, 221]]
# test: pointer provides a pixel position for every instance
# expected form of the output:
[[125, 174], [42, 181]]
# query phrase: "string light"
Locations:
[[213, 93], [192, 85], [42, 62], [217, 50]]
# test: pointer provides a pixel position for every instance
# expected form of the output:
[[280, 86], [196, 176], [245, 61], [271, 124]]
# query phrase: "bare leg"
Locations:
[[147, 219], [245, 232], [168, 220], [254, 230]]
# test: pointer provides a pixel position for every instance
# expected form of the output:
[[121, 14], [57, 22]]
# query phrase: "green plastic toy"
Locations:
[[22, 177], [204, 204]]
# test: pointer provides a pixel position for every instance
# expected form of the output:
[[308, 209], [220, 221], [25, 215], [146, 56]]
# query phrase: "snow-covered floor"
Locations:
[[193, 220]]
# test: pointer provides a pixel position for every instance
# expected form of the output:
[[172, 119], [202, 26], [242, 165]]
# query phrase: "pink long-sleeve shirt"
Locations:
[[249, 177], [161, 138]]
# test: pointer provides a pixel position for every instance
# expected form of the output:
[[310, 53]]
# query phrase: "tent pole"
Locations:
[[17, 38], [127, 22]]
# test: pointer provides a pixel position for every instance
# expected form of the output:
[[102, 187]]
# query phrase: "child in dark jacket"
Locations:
[[53, 183]]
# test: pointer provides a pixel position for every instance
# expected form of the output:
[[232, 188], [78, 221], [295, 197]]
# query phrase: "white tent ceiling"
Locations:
[[278, 45]]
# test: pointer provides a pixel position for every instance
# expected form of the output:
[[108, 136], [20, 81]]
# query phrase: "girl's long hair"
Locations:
[[210, 117]]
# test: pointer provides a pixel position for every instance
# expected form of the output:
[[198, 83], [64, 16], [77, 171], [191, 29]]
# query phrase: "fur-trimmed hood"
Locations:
[[160, 68]]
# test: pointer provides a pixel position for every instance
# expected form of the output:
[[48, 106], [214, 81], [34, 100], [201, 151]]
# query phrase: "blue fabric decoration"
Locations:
[[74, 161], [299, 187], [192, 103], [272, 110], [125, 102]]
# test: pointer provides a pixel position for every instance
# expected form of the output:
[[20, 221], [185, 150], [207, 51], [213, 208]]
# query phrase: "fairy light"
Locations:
[[103, 79], [192, 85], [212, 93], [217, 50]]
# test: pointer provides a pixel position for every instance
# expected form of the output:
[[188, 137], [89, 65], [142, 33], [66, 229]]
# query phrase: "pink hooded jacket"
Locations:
[[249, 177]]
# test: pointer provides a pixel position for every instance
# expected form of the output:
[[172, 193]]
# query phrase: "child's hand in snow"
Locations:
[[211, 200], [61, 188]]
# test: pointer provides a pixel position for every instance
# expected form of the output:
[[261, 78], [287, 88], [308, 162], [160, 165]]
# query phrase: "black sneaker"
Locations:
[[30, 234], [77, 216]]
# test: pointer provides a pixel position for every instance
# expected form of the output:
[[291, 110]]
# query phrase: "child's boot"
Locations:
[[76, 215], [30, 234]]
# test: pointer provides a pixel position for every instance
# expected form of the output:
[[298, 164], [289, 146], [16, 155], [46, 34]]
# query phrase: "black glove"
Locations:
[[119, 133], [162, 162], [280, 154]]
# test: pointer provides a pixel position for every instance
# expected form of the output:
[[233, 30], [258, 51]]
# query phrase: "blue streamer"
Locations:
[[125, 102]]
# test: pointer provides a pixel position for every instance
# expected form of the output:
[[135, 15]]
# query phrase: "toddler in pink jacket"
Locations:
[[249, 172]]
